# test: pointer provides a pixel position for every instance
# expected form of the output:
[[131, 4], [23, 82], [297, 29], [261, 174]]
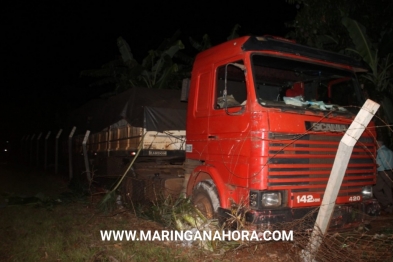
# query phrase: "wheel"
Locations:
[[205, 198], [127, 191], [132, 191]]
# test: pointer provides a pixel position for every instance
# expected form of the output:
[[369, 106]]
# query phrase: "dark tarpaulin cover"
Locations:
[[153, 109], [160, 119]]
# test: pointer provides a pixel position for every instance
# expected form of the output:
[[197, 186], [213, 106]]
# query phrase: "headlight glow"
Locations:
[[367, 192], [271, 199]]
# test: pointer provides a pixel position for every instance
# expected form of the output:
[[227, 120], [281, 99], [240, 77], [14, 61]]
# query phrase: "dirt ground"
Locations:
[[22, 181]]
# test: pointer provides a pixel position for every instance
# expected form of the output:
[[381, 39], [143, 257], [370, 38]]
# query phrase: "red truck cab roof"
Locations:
[[279, 45]]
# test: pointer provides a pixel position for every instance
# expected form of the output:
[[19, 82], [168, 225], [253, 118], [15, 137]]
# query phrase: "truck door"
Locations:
[[228, 124]]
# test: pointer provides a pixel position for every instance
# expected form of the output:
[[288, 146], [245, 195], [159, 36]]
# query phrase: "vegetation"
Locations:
[[70, 230], [71, 233], [319, 23], [362, 29], [162, 68], [157, 70], [380, 75]]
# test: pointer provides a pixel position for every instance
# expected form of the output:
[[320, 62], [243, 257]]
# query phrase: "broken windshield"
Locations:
[[286, 82]]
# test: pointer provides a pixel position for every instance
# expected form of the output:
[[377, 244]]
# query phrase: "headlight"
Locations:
[[367, 192], [271, 199]]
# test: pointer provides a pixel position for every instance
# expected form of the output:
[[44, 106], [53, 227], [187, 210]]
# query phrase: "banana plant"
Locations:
[[234, 33], [380, 74], [158, 67], [206, 43], [113, 73], [202, 45], [157, 70]]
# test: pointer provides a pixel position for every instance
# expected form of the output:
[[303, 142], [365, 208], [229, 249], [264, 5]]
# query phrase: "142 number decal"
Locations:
[[307, 199]]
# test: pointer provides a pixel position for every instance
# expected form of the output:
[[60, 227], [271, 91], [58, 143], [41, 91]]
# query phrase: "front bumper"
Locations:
[[344, 216]]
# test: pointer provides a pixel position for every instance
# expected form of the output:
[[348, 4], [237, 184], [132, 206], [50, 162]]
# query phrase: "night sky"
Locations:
[[46, 44]]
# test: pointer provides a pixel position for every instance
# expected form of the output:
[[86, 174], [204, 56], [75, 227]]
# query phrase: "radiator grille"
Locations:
[[304, 163]]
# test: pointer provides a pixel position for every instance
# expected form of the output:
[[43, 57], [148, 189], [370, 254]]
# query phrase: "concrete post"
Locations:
[[340, 164]]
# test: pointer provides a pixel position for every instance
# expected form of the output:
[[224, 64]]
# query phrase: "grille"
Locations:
[[304, 163]]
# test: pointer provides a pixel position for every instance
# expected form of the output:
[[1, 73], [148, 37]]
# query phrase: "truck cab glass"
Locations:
[[231, 90], [288, 82]]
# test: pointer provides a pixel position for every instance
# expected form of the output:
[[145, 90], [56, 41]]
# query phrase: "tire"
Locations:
[[132, 191], [205, 198], [127, 191]]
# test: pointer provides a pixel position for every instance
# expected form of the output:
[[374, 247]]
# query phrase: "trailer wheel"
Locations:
[[205, 198], [132, 191], [127, 191]]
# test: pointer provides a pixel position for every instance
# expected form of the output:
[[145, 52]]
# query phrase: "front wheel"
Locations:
[[205, 198]]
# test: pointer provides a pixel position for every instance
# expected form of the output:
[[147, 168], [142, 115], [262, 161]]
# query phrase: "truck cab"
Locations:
[[264, 120]]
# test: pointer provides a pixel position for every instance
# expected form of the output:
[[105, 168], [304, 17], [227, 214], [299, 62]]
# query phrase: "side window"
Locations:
[[236, 85], [202, 98]]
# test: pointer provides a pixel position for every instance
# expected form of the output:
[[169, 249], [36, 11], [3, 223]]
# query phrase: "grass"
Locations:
[[67, 231], [70, 230], [72, 233]]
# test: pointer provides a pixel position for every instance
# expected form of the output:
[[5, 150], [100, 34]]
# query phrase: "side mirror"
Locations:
[[185, 89]]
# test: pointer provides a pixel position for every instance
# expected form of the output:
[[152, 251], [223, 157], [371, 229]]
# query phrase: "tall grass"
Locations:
[[69, 233]]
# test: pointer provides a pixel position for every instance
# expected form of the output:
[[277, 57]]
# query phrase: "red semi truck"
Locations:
[[263, 122], [265, 148]]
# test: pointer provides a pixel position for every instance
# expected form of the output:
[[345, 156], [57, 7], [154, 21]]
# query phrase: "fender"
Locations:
[[202, 173]]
